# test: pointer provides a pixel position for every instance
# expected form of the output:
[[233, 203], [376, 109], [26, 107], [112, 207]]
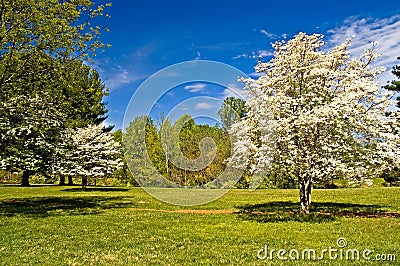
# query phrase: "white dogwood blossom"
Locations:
[[326, 112], [28, 132], [89, 152]]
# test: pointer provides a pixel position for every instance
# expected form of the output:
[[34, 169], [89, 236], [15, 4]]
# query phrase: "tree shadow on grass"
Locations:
[[282, 211], [96, 189], [29, 186], [58, 206]]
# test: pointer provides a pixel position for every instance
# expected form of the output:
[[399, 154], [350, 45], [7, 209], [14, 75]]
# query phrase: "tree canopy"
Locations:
[[323, 113], [232, 110]]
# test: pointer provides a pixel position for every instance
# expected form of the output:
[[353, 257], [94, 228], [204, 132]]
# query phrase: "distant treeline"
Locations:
[[167, 147]]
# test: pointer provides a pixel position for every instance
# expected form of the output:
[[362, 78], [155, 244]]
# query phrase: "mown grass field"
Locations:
[[50, 225]]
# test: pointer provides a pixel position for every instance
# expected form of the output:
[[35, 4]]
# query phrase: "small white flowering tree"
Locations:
[[325, 111], [89, 152]]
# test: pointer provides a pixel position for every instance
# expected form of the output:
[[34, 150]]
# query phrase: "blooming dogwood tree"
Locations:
[[316, 114], [89, 152], [29, 134]]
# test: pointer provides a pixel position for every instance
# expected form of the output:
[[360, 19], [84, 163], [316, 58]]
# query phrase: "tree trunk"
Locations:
[[84, 182], [70, 181], [25, 178], [62, 180], [305, 195]]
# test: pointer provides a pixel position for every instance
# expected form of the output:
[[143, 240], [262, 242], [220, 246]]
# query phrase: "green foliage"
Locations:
[[60, 29], [188, 136], [11, 176], [123, 176], [395, 84], [83, 93], [392, 177], [232, 110], [134, 145]]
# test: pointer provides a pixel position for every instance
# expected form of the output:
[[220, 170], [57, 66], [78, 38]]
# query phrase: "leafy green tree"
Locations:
[[154, 147], [216, 166], [123, 174], [135, 144], [196, 153], [232, 110]]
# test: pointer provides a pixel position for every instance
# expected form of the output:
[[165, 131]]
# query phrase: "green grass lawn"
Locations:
[[50, 225]]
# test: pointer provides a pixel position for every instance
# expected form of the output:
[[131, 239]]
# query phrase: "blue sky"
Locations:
[[147, 36]]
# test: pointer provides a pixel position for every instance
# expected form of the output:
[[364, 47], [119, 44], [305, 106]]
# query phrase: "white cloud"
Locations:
[[198, 56], [198, 87], [264, 53], [268, 34], [256, 74], [233, 90], [116, 75], [121, 76], [203, 106], [180, 107], [241, 56], [364, 31], [224, 46], [255, 54]]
